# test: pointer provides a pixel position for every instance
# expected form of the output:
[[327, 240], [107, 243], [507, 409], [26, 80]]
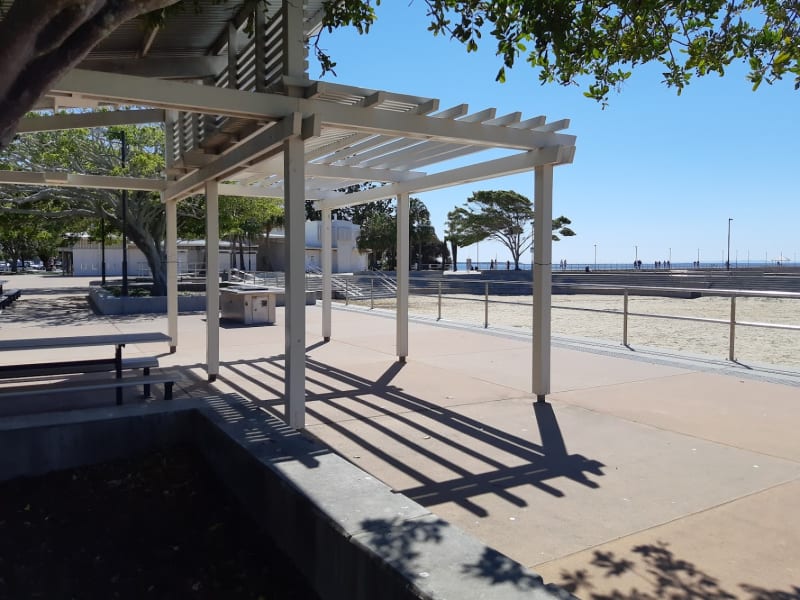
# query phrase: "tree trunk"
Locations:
[[454, 252], [155, 255]]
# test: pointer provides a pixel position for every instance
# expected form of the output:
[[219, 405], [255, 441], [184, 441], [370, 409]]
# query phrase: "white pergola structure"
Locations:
[[243, 118]]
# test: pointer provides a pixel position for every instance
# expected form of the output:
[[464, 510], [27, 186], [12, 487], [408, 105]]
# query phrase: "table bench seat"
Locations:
[[145, 363], [89, 385]]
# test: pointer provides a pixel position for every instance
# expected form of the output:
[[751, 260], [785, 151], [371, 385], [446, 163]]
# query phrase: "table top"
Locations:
[[112, 339]]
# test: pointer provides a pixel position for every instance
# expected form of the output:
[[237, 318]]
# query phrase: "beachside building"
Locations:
[[85, 257]]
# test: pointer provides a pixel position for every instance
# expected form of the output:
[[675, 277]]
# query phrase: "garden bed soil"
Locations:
[[158, 526]]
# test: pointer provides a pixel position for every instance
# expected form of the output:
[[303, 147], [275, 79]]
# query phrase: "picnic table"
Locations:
[[117, 340]]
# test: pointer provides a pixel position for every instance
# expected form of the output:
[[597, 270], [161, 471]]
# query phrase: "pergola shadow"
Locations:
[[405, 432]]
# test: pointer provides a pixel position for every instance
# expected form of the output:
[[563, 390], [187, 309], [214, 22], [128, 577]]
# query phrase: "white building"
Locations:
[[85, 257]]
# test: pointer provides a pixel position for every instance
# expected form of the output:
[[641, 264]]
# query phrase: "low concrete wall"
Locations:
[[108, 304], [349, 534]]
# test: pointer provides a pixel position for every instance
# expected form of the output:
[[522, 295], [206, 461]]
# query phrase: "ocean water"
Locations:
[[501, 265]]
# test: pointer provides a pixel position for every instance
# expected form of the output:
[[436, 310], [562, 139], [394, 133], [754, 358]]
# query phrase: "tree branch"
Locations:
[[40, 40]]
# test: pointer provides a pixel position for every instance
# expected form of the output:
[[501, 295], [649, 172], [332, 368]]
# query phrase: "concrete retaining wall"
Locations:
[[349, 534], [108, 304]]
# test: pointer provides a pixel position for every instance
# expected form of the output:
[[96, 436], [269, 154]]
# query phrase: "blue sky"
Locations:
[[653, 169]]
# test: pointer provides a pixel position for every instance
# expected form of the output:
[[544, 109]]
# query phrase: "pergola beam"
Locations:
[[267, 140], [186, 67], [387, 175], [93, 119], [237, 103], [518, 163], [101, 182]]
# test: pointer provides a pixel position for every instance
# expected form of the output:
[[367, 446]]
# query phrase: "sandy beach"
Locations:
[[571, 318]]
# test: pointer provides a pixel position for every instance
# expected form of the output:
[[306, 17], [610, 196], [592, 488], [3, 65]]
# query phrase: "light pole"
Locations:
[[728, 262], [595, 257], [124, 291], [103, 250], [636, 257]]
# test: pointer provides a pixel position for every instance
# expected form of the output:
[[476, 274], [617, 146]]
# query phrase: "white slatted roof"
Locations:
[[352, 135]]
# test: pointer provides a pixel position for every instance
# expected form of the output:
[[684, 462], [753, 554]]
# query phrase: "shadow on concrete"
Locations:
[[500, 569], [43, 310], [440, 435], [658, 574], [61, 306], [398, 541], [408, 546]]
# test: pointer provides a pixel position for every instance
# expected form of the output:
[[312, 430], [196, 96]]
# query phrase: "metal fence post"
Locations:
[[439, 317], [372, 293], [625, 318], [732, 340], [486, 306], [346, 293]]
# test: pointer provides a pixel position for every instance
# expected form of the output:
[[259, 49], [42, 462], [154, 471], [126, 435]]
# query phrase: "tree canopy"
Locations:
[[599, 42], [594, 43], [379, 235], [506, 217], [95, 151]]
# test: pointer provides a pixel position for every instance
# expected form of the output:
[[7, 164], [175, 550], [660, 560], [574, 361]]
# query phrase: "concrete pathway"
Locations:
[[663, 476]]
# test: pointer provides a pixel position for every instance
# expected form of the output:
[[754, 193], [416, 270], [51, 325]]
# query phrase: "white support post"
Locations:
[[542, 279], [171, 209], [295, 248], [233, 51], [402, 276], [259, 24], [327, 270], [212, 280], [294, 47]]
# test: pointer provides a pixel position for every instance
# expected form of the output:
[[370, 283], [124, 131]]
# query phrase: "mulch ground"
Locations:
[[159, 526]]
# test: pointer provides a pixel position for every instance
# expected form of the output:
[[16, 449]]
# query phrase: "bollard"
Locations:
[[486, 307], [439, 317], [625, 318], [732, 340]]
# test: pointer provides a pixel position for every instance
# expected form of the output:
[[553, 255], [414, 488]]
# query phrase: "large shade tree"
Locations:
[[507, 217], [596, 43], [248, 219], [379, 235], [97, 151]]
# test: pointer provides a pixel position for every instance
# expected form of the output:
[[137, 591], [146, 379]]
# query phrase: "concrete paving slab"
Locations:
[[758, 416], [748, 549], [465, 464]]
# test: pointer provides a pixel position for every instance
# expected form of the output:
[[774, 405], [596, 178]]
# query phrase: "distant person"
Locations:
[[508, 265], [588, 270]]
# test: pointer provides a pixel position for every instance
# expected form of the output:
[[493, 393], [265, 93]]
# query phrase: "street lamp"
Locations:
[[728, 262], [595, 257]]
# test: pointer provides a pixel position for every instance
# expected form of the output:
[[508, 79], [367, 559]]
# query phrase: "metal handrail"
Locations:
[[625, 291]]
